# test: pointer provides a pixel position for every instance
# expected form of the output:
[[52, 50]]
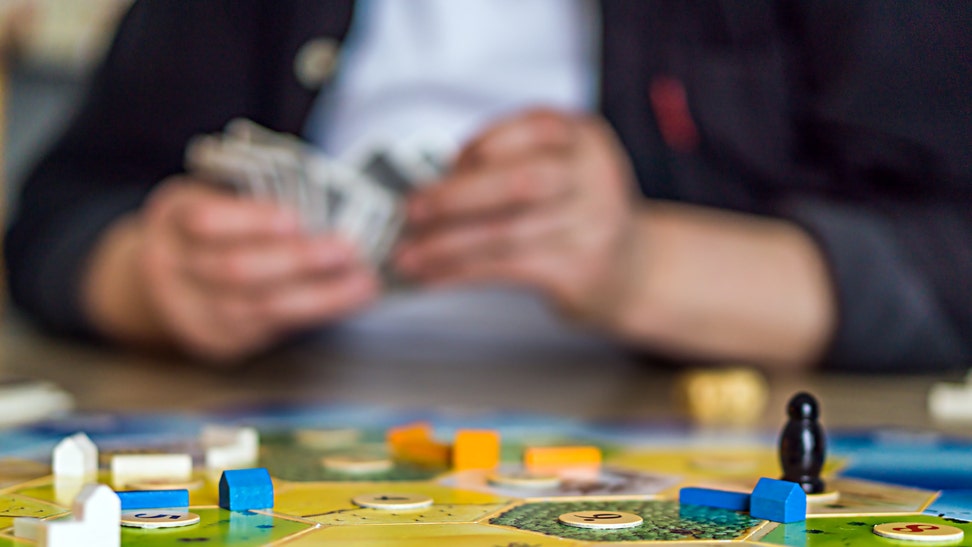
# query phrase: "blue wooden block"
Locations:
[[243, 489], [153, 499], [779, 501], [723, 499]]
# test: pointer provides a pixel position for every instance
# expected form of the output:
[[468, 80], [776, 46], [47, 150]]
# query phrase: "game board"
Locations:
[[923, 478]]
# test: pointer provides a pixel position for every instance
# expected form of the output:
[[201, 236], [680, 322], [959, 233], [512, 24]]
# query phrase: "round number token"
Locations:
[[524, 479], [328, 438], [163, 484], [918, 531], [158, 518], [601, 520], [357, 463], [392, 501]]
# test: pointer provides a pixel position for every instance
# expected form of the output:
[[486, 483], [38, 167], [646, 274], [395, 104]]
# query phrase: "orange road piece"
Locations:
[[418, 431], [476, 449], [540, 458], [414, 443]]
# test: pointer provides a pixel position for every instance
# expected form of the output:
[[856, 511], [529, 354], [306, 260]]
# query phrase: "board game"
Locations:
[[338, 480]]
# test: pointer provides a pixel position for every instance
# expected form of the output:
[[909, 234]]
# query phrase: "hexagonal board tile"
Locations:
[[610, 481], [288, 460], [320, 500], [856, 530], [218, 527], [13, 506], [858, 496], [429, 535], [664, 521], [436, 514]]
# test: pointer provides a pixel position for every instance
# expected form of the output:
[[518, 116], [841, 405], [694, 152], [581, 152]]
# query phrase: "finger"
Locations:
[[497, 189], [320, 299], [488, 236], [224, 329], [524, 133], [260, 263], [200, 211]]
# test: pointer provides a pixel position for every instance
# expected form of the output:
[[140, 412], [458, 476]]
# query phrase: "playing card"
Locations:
[[362, 200]]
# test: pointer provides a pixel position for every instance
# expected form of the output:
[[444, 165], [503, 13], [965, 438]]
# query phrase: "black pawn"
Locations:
[[802, 444]]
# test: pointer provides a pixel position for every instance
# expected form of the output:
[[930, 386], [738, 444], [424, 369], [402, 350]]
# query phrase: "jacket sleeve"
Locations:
[[164, 79], [889, 115]]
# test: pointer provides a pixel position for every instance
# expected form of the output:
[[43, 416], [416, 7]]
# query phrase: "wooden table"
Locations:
[[601, 384]]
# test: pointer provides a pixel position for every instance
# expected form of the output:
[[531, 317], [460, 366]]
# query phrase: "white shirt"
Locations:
[[443, 69]]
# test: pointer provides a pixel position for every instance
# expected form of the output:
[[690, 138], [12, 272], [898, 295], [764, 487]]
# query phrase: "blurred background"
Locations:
[[47, 50]]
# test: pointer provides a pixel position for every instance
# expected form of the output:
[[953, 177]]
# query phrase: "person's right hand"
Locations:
[[223, 277]]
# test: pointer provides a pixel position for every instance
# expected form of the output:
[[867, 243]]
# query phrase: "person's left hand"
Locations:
[[542, 199]]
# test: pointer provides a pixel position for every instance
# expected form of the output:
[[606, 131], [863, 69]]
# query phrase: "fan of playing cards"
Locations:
[[362, 200]]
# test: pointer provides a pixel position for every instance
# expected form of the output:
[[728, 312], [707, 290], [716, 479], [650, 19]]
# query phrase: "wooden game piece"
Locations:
[[357, 463], [918, 531], [541, 458], [601, 520], [221, 435], [414, 443], [153, 499], [778, 501], [165, 484], [710, 497], [28, 528], [724, 396], [802, 444], [96, 521], [230, 447], [418, 431], [243, 489], [949, 401], [525, 480], [328, 438], [232, 456], [133, 470], [75, 457], [392, 501], [158, 518], [428, 453], [475, 449]]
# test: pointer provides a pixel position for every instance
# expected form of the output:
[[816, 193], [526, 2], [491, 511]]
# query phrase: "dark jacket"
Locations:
[[852, 118]]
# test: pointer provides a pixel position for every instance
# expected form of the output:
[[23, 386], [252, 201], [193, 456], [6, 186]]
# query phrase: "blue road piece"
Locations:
[[723, 499], [778, 501], [243, 489], [153, 499]]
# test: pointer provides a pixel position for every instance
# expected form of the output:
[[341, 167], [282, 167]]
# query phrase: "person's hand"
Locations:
[[223, 277], [542, 199]]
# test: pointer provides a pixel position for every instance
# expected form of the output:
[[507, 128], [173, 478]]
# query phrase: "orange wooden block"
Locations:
[[414, 443], [418, 431], [547, 457], [476, 449], [427, 453]]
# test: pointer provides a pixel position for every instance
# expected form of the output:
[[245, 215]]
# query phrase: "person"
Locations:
[[783, 183]]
